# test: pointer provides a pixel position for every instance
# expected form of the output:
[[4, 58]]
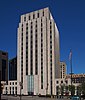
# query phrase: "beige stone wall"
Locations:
[[46, 19]]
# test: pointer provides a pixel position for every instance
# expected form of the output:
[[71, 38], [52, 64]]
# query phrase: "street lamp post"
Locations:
[[20, 92], [47, 89], [0, 85], [20, 83]]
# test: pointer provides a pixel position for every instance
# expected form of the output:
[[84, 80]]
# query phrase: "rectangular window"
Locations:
[[31, 31], [3, 70], [25, 18], [26, 24], [3, 53], [38, 14], [41, 29], [16, 90], [27, 33], [22, 29], [43, 12], [57, 82], [41, 24], [36, 26], [36, 31], [33, 16], [22, 25], [26, 28], [29, 17], [61, 81]]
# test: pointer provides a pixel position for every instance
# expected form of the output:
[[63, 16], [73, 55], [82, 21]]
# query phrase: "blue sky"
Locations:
[[69, 16]]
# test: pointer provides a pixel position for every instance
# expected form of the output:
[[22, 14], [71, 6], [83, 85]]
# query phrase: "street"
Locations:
[[29, 98]]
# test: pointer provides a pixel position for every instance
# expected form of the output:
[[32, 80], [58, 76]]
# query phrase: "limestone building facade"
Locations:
[[38, 54]]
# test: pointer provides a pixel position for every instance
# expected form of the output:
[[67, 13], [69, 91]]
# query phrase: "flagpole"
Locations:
[[71, 68]]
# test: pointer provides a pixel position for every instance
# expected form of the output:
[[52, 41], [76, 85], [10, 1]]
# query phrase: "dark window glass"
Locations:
[[50, 46], [3, 70], [57, 82], [36, 30], [50, 27], [33, 16], [41, 45], [36, 26], [27, 37], [25, 18], [27, 24], [15, 88], [31, 31], [41, 29], [26, 28], [41, 20], [3, 53], [61, 81], [38, 14], [51, 36], [31, 23], [29, 17], [43, 13], [41, 24], [22, 29], [26, 33], [22, 25]]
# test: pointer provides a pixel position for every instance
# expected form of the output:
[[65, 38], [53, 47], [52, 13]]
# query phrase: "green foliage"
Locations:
[[62, 90], [67, 88], [83, 88], [72, 89]]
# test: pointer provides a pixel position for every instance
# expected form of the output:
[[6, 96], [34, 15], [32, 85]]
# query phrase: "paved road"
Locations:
[[30, 98]]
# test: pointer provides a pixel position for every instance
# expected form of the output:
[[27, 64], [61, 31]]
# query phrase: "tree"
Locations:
[[72, 89], [58, 91], [79, 89], [62, 88], [66, 90], [83, 88]]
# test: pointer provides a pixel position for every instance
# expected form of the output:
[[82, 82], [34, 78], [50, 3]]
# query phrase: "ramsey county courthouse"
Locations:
[[38, 55]]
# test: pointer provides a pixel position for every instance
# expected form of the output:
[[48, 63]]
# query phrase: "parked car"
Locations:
[[75, 98]]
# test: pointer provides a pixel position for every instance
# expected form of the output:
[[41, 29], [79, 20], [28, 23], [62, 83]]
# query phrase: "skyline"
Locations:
[[69, 17]]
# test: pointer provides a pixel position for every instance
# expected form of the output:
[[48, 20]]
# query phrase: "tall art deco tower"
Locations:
[[38, 53]]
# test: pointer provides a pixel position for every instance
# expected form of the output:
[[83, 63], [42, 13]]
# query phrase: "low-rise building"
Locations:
[[64, 84], [11, 88], [77, 78]]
